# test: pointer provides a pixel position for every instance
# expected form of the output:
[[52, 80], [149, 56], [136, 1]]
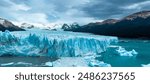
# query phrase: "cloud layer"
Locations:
[[68, 11]]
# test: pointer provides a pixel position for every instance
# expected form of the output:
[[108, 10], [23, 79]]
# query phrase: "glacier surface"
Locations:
[[71, 49], [52, 44]]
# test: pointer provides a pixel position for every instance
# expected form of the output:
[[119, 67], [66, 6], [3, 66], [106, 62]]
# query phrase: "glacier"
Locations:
[[52, 44], [71, 49]]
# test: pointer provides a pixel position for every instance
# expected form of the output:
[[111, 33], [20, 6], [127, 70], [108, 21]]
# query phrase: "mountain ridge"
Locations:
[[7, 25], [136, 25]]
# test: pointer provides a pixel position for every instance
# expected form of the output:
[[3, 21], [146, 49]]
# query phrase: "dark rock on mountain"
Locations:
[[7, 25], [71, 26], [26, 25], [110, 21], [142, 14], [136, 25], [75, 25], [66, 27]]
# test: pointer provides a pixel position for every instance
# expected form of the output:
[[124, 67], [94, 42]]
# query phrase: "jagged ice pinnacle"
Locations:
[[52, 44]]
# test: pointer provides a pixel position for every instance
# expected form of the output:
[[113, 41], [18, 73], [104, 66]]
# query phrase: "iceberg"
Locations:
[[49, 64], [123, 52], [7, 64], [96, 63], [52, 43], [145, 65], [23, 63]]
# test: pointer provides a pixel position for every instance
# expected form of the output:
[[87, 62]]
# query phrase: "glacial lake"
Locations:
[[142, 47]]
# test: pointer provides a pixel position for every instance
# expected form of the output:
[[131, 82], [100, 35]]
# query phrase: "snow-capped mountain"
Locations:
[[65, 26], [49, 26], [26, 25], [71, 26], [33, 25], [7, 25], [56, 26]]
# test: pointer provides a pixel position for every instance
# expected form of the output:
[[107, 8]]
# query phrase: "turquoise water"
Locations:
[[140, 46]]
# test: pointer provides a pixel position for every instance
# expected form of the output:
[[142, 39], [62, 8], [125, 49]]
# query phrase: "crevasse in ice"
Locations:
[[52, 44]]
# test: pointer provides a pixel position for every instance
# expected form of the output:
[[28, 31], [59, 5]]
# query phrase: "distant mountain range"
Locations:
[[7, 25], [132, 26], [53, 27]]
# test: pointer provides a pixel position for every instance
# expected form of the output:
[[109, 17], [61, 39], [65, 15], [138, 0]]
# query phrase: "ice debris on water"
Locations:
[[123, 52], [145, 65], [15, 64], [49, 64], [77, 62], [7, 64], [96, 63]]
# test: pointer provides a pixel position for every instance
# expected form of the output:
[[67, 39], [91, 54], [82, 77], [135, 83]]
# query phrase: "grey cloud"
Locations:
[[71, 10], [104, 9]]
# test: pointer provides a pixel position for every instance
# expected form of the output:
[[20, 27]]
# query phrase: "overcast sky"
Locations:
[[68, 11]]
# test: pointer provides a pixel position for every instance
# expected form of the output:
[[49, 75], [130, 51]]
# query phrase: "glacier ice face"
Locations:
[[52, 44], [123, 52]]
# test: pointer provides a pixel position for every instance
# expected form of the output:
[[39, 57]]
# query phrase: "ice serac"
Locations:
[[52, 44]]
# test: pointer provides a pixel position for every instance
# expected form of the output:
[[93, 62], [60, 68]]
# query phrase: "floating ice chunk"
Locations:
[[134, 52], [122, 52], [16, 64], [96, 63], [88, 61], [50, 64], [70, 62], [113, 46], [146, 65], [23, 63], [7, 64]]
